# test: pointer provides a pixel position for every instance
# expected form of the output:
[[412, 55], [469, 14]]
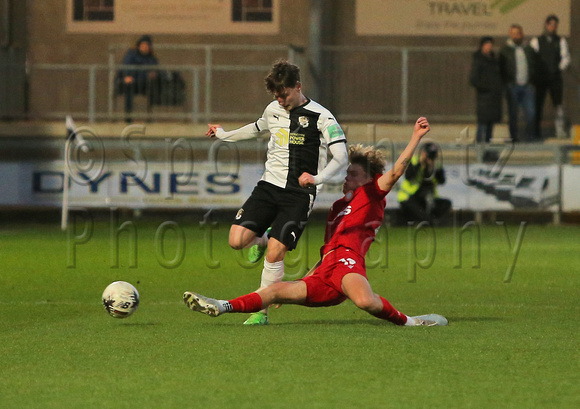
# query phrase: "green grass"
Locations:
[[508, 345]]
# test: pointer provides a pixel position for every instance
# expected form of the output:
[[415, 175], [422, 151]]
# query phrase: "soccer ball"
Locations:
[[120, 299]]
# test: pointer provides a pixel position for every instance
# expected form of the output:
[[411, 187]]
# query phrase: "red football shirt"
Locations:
[[354, 220]]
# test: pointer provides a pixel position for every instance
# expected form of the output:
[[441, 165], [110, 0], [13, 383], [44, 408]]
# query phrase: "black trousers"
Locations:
[[556, 90], [417, 209]]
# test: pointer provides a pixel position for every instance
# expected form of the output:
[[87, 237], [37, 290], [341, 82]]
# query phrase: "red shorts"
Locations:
[[324, 286]]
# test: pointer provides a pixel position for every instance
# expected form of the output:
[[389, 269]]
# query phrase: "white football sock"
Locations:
[[261, 241], [224, 306], [272, 273], [410, 322]]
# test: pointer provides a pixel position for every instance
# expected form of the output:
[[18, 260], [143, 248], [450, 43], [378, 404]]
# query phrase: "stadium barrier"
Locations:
[[135, 172], [225, 82]]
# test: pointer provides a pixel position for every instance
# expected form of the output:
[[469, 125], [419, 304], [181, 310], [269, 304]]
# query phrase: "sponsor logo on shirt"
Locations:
[[335, 131], [296, 139], [282, 137]]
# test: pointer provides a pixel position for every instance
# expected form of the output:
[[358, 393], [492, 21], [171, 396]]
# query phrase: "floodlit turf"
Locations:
[[509, 344]]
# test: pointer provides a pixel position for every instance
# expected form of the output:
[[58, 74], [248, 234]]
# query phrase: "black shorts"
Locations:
[[286, 211]]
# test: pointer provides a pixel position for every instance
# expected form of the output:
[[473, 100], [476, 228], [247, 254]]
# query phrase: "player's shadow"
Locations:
[[375, 322], [473, 319], [138, 324]]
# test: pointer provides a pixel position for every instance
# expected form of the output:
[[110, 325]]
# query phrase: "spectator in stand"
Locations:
[[518, 65], [554, 59], [137, 81], [486, 78]]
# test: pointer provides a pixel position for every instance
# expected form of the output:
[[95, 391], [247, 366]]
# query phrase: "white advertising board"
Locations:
[[479, 187]]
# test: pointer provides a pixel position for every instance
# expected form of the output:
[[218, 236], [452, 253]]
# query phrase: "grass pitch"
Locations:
[[512, 341]]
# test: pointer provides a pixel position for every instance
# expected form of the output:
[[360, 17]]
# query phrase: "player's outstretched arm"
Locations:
[[212, 130], [248, 131], [390, 177]]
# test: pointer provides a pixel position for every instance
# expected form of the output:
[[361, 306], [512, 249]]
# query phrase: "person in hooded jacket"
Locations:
[[137, 81], [485, 76]]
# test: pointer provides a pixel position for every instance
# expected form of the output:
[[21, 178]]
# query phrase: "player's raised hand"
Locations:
[[212, 131], [421, 127]]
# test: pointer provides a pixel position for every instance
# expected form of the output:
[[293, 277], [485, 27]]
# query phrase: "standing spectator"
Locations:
[[418, 196], [137, 81], [554, 58], [518, 64], [486, 78]]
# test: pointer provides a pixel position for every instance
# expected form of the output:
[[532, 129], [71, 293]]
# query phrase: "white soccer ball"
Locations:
[[120, 299]]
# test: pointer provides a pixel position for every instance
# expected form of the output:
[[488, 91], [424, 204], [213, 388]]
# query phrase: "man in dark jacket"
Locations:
[[137, 81], [486, 78], [518, 64], [554, 58]]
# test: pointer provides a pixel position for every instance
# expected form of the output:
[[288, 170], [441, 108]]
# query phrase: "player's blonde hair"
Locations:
[[370, 159]]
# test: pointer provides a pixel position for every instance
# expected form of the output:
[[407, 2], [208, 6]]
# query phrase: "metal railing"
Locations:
[[225, 82], [375, 83]]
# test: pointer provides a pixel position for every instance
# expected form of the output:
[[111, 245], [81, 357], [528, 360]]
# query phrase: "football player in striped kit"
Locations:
[[301, 133]]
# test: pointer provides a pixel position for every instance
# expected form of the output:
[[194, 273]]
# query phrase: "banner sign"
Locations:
[[174, 16], [477, 188], [458, 17]]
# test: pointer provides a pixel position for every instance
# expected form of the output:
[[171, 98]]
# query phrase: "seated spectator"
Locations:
[[134, 81], [418, 195]]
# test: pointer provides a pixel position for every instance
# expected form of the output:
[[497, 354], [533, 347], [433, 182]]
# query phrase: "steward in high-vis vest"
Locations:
[[418, 194]]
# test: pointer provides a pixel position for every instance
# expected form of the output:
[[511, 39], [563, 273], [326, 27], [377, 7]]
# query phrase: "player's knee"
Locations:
[[366, 303], [272, 292], [276, 251], [236, 243], [275, 289], [237, 239]]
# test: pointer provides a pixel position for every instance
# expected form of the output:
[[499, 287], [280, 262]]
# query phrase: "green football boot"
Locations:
[[257, 252], [257, 318]]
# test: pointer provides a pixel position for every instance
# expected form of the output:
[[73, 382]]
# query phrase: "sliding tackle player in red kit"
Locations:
[[350, 230]]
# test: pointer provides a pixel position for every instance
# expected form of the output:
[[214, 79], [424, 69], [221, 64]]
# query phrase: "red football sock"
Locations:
[[247, 303], [389, 313]]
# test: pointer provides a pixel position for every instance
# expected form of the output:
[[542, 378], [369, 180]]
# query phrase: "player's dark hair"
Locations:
[[283, 75], [552, 17], [369, 158]]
